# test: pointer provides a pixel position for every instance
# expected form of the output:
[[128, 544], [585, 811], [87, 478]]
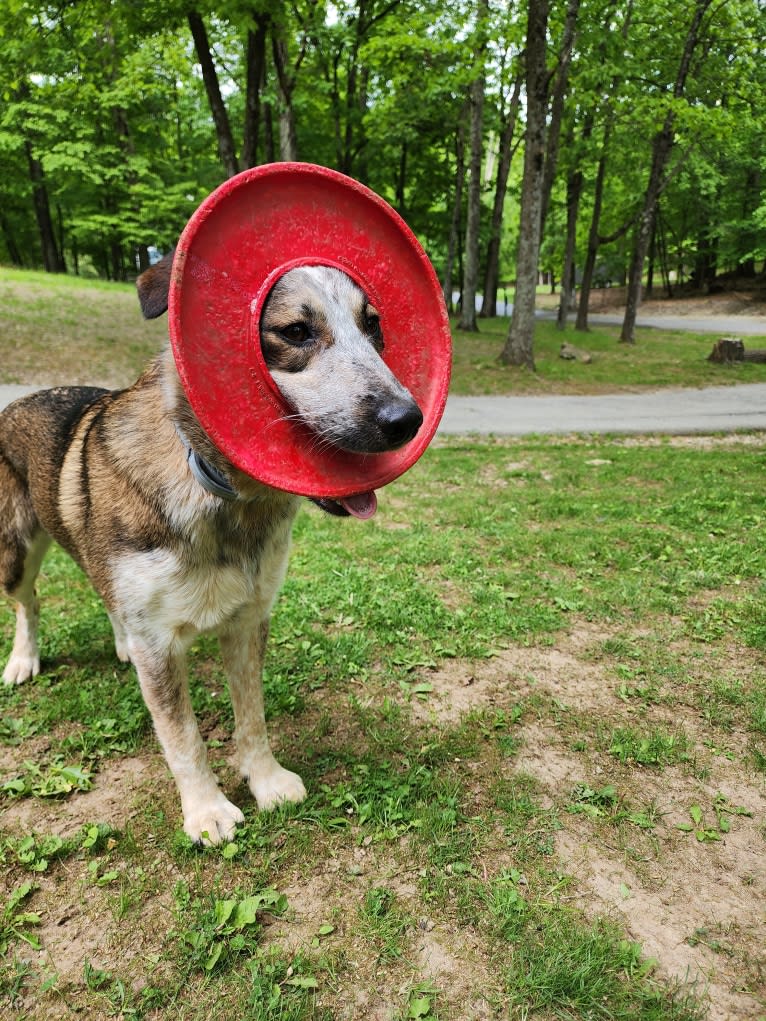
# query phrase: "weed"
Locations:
[[15, 921], [383, 923], [722, 810], [218, 931], [653, 749], [36, 852]]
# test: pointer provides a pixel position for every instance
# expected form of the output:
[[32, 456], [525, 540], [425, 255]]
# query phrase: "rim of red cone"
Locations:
[[243, 237]]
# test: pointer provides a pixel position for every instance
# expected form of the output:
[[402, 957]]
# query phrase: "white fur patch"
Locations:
[[157, 594]]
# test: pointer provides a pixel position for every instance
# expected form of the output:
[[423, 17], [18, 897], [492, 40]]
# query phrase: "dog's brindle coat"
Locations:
[[107, 475]]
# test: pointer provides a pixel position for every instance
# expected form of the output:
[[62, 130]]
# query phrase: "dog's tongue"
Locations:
[[362, 505]]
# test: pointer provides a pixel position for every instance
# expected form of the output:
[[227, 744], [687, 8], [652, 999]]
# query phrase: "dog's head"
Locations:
[[322, 341]]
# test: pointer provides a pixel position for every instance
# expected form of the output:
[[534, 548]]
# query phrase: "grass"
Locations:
[[60, 329], [528, 700], [63, 329], [659, 359], [424, 870]]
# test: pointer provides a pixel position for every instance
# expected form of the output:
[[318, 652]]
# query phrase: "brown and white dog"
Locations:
[[174, 538]]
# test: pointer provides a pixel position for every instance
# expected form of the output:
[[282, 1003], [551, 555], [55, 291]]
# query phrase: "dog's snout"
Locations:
[[399, 421]]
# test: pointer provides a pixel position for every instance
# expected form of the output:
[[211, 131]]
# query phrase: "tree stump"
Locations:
[[727, 350]]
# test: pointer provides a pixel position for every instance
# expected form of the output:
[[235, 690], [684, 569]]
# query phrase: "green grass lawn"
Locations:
[[658, 359], [528, 700]]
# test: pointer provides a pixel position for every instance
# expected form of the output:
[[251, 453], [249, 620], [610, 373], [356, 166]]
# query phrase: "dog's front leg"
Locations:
[[209, 817], [242, 647]]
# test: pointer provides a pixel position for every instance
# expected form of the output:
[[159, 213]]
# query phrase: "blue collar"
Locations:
[[208, 477]]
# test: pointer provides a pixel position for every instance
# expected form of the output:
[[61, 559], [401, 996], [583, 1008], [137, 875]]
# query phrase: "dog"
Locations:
[[175, 539]]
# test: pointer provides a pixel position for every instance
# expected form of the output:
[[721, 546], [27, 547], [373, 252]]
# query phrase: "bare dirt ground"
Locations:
[[730, 302], [699, 907]]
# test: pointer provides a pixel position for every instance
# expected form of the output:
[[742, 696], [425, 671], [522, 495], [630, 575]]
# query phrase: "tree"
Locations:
[[505, 155], [213, 89], [471, 262], [661, 149], [518, 346]]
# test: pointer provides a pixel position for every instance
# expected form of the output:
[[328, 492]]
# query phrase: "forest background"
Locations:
[[593, 141]]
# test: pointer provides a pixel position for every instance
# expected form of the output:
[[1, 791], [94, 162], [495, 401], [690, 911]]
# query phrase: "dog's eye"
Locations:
[[296, 333], [371, 323]]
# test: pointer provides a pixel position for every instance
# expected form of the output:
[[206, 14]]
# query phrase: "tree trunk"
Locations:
[[52, 258], [288, 139], [268, 133], [401, 179], [706, 261], [594, 239], [518, 346], [557, 107], [574, 191], [575, 180], [662, 251], [115, 260], [256, 78], [581, 323], [457, 215], [471, 268], [142, 251], [215, 99], [14, 252], [661, 147], [650, 263], [492, 273]]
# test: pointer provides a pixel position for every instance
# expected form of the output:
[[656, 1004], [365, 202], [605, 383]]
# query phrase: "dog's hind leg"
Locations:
[[23, 544], [242, 647]]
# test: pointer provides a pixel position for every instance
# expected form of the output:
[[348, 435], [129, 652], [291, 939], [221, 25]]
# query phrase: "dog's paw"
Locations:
[[275, 786], [213, 821], [21, 668]]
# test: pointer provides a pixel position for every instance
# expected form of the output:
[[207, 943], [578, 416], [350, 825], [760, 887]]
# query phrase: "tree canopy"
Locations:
[[647, 127]]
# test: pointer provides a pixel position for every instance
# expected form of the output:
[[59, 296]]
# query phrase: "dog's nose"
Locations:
[[399, 421]]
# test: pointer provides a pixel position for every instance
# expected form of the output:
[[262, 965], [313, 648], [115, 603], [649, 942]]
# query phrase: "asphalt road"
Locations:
[[675, 412]]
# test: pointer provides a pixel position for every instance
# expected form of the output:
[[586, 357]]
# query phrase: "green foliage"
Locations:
[[110, 102]]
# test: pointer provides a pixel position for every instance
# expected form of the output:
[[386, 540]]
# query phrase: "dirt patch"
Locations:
[[460, 686], [730, 302], [694, 904], [113, 799]]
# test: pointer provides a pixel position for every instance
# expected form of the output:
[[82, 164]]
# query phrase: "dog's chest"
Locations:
[[170, 591]]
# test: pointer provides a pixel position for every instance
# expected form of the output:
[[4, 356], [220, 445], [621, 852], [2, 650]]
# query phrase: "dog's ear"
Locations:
[[154, 286]]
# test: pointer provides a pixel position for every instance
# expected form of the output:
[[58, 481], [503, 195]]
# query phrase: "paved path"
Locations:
[[677, 412], [10, 391]]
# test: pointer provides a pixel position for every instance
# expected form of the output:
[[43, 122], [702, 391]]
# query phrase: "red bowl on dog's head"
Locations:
[[242, 239]]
